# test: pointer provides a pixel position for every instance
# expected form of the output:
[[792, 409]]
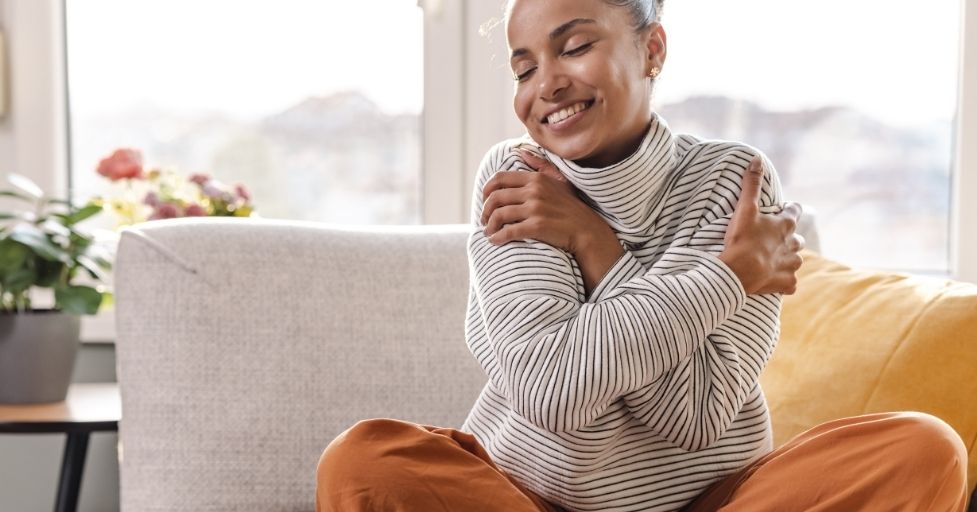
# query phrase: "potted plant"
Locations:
[[42, 248]]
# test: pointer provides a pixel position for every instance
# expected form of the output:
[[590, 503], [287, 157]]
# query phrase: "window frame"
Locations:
[[963, 220], [464, 70]]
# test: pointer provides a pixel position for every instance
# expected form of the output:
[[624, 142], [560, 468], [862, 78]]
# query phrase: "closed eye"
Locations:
[[580, 50], [521, 77]]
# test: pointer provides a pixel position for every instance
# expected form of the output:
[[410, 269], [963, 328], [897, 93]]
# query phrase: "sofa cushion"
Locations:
[[856, 342]]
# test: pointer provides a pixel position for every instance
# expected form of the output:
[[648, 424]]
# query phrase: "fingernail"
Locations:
[[526, 149]]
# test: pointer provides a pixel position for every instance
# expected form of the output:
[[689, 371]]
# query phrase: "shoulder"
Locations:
[[502, 156], [715, 168]]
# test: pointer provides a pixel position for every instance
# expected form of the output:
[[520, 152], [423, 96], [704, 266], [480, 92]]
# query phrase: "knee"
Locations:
[[357, 452], [929, 442]]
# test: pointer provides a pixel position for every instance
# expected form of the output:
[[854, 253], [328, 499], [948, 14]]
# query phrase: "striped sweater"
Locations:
[[640, 395]]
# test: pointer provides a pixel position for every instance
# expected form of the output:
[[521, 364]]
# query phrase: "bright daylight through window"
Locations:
[[314, 106], [854, 102]]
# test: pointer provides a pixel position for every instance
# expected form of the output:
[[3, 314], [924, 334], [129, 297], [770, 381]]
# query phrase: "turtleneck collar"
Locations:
[[627, 193]]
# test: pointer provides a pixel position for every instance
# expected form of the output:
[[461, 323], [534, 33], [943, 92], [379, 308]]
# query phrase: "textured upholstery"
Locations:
[[245, 346], [856, 342]]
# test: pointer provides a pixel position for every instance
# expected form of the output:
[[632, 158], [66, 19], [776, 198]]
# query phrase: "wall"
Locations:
[[36, 93]]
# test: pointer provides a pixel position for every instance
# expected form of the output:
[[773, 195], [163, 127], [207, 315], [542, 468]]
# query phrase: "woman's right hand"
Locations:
[[762, 249]]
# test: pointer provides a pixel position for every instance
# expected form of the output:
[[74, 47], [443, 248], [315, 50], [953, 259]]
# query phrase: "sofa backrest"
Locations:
[[245, 346]]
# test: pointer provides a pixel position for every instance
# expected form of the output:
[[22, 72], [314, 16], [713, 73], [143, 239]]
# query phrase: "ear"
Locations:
[[656, 44]]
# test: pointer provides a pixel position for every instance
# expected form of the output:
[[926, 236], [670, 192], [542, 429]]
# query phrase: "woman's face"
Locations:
[[582, 87]]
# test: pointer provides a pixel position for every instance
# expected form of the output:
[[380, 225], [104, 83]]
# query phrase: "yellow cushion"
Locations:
[[856, 342]]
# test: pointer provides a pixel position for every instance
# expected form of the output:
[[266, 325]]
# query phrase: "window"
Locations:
[[313, 105], [854, 102]]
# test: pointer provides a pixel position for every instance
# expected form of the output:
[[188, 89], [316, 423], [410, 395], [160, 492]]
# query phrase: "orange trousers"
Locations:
[[878, 462]]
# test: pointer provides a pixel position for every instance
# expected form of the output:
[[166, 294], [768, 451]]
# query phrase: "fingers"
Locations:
[[794, 263], [796, 243], [500, 198], [784, 279], [504, 216], [752, 181], [505, 179], [542, 165], [792, 210], [513, 231]]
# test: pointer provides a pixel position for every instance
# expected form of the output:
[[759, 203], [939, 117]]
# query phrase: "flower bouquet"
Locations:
[[164, 194]]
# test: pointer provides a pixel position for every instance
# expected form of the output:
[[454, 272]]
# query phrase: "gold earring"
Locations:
[[654, 72]]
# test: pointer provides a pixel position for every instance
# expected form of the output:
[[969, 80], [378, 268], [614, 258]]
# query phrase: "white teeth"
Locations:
[[558, 116]]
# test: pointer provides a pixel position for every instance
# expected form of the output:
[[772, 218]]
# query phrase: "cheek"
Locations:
[[522, 104], [621, 87]]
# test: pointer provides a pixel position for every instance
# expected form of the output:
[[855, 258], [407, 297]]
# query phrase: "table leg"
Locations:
[[72, 465]]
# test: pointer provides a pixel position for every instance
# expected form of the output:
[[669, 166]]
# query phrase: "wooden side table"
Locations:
[[88, 408]]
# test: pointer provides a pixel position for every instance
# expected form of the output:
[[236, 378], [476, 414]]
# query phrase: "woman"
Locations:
[[623, 312]]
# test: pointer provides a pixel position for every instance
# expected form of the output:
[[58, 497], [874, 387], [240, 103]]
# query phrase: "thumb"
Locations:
[[542, 165], [752, 181]]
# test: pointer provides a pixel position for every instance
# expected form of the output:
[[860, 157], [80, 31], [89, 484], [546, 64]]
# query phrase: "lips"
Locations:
[[567, 112]]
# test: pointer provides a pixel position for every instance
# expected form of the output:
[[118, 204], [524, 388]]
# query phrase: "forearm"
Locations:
[[553, 354], [596, 253], [726, 370]]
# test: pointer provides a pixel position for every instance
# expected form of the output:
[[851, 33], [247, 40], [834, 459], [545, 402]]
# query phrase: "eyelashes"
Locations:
[[580, 50], [573, 52]]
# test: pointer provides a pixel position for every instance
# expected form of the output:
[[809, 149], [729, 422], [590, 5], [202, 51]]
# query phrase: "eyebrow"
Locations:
[[557, 32]]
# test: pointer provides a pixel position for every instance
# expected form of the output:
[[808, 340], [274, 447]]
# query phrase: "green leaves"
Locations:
[[39, 242], [78, 214], [41, 247], [12, 255], [26, 185], [78, 300]]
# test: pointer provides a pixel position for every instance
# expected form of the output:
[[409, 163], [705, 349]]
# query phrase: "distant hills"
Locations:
[[340, 158]]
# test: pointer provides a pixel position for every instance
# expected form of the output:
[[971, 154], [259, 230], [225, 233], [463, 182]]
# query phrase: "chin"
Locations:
[[569, 148]]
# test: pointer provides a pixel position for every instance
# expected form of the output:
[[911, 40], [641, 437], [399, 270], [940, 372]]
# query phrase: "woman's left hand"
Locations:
[[544, 206]]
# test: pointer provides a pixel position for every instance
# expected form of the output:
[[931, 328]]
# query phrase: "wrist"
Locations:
[[590, 240], [596, 249], [733, 262]]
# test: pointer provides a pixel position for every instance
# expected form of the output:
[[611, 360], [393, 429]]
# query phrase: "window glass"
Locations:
[[854, 103], [313, 105]]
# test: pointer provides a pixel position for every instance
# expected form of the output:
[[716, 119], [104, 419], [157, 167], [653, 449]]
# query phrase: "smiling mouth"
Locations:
[[568, 112]]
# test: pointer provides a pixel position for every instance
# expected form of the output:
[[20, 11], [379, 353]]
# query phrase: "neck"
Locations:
[[625, 146]]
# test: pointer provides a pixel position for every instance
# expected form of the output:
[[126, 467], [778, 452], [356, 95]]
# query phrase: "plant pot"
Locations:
[[37, 355]]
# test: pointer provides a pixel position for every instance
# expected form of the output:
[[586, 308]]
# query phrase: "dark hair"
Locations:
[[643, 12]]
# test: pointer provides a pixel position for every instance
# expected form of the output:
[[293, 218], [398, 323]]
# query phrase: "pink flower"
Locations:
[[199, 178], [124, 163], [242, 192], [213, 189], [195, 210], [151, 199], [165, 211]]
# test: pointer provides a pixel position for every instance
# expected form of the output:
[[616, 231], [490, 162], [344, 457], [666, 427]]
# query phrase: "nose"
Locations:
[[553, 81]]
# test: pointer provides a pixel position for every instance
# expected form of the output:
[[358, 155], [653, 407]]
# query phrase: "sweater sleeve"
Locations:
[[694, 402], [561, 361]]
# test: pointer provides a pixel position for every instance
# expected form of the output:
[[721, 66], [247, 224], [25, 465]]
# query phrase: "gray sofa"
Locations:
[[245, 346]]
